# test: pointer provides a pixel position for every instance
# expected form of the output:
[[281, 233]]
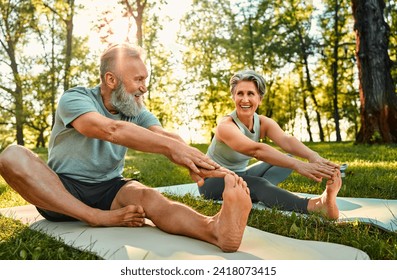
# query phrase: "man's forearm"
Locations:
[[141, 139]]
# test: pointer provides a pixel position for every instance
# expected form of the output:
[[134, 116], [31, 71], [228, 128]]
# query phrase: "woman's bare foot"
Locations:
[[326, 203], [129, 216], [231, 221]]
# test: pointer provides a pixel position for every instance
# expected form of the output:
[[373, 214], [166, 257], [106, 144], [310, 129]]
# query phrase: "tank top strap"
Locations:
[[255, 135]]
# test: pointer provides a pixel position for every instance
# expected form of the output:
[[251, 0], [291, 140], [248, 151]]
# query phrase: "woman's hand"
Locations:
[[316, 170], [316, 158]]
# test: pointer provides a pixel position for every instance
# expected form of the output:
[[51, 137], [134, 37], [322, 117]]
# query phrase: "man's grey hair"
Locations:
[[116, 54], [248, 75]]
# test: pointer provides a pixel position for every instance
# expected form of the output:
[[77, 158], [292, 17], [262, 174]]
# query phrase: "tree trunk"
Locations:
[[138, 17], [335, 74], [18, 95], [307, 118], [69, 45], [310, 88], [377, 93], [19, 116]]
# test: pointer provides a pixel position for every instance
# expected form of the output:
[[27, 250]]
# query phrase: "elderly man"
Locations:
[[83, 180]]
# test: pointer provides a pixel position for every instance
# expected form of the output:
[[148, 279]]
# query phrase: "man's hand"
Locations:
[[192, 158]]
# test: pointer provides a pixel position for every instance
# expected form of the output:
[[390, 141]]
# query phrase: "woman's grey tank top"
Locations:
[[226, 156]]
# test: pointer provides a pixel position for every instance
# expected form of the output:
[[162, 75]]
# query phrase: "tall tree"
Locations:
[[65, 11], [377, 90], [295, 17], [45, 85], [207, 36], [49, 35], [391, 19], [337, 49], [17, 18], [136, 9]]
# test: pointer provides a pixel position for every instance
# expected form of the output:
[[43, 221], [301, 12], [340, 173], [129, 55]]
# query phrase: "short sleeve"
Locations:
[[146, 119], [74, 103]]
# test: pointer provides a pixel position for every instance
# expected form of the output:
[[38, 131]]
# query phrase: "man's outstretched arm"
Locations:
[[123, 133]]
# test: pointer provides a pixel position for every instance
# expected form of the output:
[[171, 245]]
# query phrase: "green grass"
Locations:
[[372, 173]]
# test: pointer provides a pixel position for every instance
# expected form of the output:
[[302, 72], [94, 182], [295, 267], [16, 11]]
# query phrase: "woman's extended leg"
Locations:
[[212, 188], [260, 190], [273, 196], [274, 174]]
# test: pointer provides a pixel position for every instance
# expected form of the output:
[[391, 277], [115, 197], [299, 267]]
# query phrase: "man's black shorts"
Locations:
[[96, 195]]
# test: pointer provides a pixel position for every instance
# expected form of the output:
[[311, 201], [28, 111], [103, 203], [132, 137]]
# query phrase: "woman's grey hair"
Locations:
[[248, 75], [116, 54]]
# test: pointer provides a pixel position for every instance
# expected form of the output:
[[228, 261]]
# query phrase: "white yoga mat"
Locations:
[[150, 243], [379, 212]]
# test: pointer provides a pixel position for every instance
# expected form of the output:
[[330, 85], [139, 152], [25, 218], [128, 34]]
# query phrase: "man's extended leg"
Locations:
[[224, 230], [27, 174]]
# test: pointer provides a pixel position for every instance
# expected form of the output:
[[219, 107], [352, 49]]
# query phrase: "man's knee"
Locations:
[[8, 153], [139, 191], [13, 151], [12, 155]]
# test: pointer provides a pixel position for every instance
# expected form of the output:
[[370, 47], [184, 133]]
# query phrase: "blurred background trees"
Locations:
[[330, 65]]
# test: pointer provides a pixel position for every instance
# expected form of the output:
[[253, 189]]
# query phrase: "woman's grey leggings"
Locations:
[[262, 179]]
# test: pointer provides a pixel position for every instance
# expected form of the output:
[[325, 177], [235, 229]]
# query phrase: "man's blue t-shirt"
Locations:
[[80, 157]]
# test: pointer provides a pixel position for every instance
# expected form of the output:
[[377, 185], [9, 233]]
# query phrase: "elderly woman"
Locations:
[[237, 140]]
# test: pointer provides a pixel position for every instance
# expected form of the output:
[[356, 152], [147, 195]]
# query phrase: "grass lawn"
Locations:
[[372, 173]]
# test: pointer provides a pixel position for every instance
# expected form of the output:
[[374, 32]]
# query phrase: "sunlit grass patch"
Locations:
[[18, 242], [8, 197]]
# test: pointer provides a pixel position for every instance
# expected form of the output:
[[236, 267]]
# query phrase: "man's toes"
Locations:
[[229, 180]]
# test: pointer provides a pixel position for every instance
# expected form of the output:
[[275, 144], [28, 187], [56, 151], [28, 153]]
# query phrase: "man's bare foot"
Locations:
[[129, 216], [326, 203], [232, 219]]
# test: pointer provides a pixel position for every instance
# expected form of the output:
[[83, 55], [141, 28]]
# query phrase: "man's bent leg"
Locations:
[[27, 174], [224, 230]]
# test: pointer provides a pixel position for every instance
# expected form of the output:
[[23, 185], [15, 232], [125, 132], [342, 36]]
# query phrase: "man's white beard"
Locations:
[[126, 103]]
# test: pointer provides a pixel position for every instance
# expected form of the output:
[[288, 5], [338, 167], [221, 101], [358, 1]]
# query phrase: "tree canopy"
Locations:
[[324, 82]]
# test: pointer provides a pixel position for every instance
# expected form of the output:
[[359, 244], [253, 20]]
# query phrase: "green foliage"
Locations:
[[337, 90], [292, 43], [17, 19], [34, 79], [163, 88], [215, 49], [276, 39]]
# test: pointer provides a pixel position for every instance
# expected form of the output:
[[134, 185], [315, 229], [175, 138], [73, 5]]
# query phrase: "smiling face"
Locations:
[[246, 98], [127, 97]]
